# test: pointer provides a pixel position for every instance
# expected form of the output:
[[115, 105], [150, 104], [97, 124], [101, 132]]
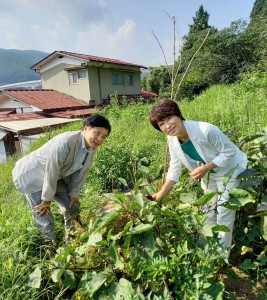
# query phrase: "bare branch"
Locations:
[[162, 51], [186, 71]]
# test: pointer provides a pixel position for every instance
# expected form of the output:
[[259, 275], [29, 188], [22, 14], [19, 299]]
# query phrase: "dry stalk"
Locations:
[[186, 71]]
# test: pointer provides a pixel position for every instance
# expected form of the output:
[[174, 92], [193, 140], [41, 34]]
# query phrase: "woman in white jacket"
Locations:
[[201, 147]]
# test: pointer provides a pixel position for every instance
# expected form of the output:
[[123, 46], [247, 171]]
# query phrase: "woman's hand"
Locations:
[[157, 196], [201, 171], [43, 208]]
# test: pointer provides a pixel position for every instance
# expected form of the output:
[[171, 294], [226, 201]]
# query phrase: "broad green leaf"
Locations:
[[216, 290], [79, 251], [249, 183], [148, 243], [139, 200], [113, 254], [222, 228], [94, 238], [140, 228], [124, 290], [138, 184], [229, 175], [143, 169], [183, 206], [123, 181], [69, 279], [118, 198], [56, 275], [107, 217], [35, 278], [189, 197], [248, 173], [238, 198], [97, 281], [262, 164], [62, 257], [128, 225], [127, 245], [207, 230], [206, 198], [150, 189]]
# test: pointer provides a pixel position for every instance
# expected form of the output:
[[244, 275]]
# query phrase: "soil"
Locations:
[[238, 285]]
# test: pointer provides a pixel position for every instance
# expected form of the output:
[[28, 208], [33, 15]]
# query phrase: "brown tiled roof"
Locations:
[[148, 94], [7, 111], [45, 99], [85, 57], [73, 113], [20, 117]]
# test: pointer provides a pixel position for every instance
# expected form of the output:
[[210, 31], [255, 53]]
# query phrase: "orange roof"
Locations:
[[20, 117], [87, 57], [45, 99], [73, 113], [148, 94]]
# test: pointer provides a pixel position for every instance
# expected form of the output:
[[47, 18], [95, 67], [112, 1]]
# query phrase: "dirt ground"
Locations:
[[238, 285]]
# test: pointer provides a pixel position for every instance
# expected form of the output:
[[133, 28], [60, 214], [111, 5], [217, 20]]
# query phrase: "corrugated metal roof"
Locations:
[[30, 125], [20, 117], [73, 113], [3, 133]]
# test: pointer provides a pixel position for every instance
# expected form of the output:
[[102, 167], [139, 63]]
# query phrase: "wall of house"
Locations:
[[21, 107], [2, 151], [97, 86], [100, 82], [57, 78]]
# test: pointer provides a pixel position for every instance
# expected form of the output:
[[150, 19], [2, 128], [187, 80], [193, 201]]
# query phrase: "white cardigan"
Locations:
[[211, 144]]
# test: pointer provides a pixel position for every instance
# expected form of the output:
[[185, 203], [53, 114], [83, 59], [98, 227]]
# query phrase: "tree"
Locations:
[[200, 24], [158, 81], [258, 30], [194, 81]]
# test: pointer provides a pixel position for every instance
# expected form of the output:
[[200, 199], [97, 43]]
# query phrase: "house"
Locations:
[[24, 114], [41, 101], [18, 131], [89, 78], [72, 85]]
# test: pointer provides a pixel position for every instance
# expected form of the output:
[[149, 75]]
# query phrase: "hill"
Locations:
[[15, 65]]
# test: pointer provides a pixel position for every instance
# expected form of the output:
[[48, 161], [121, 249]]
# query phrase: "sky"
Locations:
[[119, 29]]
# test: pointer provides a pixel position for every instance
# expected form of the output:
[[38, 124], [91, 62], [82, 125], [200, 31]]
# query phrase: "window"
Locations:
[[82, 73], [130, 79], [117, 79], [73, 77]]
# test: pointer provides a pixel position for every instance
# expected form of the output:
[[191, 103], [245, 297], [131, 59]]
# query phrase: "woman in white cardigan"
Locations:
[[201, 147]]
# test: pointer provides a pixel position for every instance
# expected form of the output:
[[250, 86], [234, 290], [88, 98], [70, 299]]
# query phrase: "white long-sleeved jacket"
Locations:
[[211, 144]]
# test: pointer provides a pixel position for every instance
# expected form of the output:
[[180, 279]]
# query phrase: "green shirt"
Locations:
[[189, 149]]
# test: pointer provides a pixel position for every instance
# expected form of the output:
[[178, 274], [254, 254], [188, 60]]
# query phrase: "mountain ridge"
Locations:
[[15, 65]]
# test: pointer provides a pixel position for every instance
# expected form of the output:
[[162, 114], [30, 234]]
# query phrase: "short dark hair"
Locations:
[[163, 109], [96, 120]]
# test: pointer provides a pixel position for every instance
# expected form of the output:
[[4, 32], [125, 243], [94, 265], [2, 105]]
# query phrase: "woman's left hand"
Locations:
[[199, 172]]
